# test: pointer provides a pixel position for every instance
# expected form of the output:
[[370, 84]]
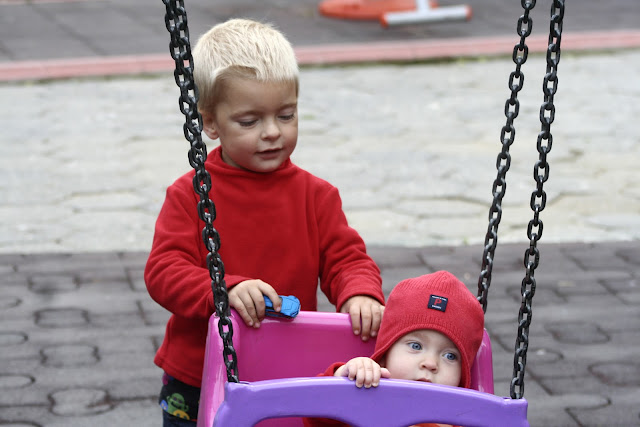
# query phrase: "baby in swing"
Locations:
[[431, 331], [282, 229]]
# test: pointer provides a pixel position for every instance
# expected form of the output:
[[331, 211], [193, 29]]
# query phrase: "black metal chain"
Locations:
[[538, 198], [180, 48], [507, 136]]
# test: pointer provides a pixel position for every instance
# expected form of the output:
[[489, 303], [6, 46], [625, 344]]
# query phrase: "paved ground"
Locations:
[[78, 333], [84, 163]]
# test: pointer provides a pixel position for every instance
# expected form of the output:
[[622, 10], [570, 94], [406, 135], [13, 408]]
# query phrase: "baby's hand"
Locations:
[[366, 313], [365, 371], [247, 299]]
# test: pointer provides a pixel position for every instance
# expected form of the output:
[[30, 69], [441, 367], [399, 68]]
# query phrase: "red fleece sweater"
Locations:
[[286, 228]]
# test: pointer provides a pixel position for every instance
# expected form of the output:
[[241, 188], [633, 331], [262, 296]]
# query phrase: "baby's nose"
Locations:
[[430, 362]]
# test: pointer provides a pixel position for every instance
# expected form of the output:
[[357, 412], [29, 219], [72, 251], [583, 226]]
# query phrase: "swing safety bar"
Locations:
[[393, 403], [302, 347]]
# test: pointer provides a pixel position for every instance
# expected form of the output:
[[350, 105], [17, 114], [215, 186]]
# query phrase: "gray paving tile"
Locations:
[[621, 411]]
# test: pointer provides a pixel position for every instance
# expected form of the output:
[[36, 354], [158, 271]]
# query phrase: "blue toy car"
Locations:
[[290, 307]]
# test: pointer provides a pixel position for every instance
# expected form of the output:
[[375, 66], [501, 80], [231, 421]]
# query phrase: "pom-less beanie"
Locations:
[[437, 301]]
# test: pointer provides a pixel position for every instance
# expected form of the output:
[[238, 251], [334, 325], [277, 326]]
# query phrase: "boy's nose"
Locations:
[[270, 130]]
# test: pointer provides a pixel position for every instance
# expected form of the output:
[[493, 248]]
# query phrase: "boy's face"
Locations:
[[425, 355], [257, 123]]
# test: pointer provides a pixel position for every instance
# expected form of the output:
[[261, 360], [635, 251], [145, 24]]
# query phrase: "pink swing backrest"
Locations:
[[302, 347]]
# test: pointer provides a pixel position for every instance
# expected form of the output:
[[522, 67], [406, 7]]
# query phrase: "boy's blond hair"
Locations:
[[241, 48]]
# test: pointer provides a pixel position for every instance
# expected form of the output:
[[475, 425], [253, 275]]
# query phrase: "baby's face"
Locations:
[[425, 355], [257, 123]]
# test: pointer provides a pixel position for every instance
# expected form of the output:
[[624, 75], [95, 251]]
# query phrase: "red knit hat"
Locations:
[[437, 301]]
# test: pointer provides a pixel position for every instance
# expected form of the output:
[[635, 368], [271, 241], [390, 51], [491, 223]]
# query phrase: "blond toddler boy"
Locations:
[[282, 229]]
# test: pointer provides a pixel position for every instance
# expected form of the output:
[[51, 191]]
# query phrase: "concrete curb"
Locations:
[[329, 54]]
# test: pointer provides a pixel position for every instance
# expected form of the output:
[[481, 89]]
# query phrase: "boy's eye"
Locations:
[[246, 123], [287, 117], [415, 346], [451, 356]]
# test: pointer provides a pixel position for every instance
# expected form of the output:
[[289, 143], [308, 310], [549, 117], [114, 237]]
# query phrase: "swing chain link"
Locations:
[[538, 198], [176, 23], [507, 137]]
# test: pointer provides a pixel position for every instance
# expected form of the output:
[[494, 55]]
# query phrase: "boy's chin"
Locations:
[[266, 166]]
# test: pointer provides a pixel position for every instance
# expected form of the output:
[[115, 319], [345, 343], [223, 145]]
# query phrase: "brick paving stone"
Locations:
[[578, 332], [80, 401], [50, 284], [542, 296], [627, 285], [591, 258], [554, 369], [622, 411], [392, 276], [64, 317], [135, 278], [630, 298], [630, 253], [394, 256], [550, 412], [464, 264], [69, 355], [586, 384], [152, 314], [624, 374], [583, 287]]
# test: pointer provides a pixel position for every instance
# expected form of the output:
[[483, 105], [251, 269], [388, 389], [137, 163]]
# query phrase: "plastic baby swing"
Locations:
[[278, 379]]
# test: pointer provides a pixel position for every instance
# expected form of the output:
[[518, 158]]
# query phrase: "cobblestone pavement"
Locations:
[[100, 153], [84, 164], [78, 332]]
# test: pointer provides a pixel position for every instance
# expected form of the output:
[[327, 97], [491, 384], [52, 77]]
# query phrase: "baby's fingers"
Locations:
[[384, 373], [363, 376], [362, 370]]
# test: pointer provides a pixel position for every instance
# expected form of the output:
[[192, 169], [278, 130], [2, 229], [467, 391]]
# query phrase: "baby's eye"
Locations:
[[451, 356], [415, 346]]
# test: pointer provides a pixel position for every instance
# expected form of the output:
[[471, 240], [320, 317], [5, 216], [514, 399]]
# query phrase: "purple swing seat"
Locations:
[[276, 361]]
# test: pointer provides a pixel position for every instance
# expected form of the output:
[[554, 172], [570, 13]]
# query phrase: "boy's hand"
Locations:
[[247, 299], [366, 315], [365, 371]]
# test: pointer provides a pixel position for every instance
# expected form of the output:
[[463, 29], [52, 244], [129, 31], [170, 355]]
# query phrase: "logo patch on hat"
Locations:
[[438, 303]]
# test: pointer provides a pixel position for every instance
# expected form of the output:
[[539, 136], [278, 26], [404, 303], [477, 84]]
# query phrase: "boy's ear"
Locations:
[[208, 125]]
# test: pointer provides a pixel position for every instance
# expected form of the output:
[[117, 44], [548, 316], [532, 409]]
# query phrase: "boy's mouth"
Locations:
[[269, 152]]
